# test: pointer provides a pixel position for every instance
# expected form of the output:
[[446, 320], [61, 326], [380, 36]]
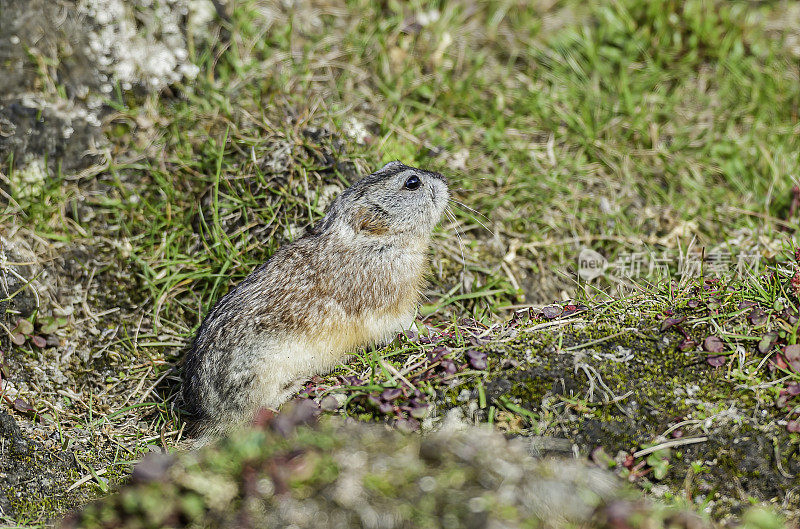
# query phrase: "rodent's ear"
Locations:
[[369, 221], [389, 166]]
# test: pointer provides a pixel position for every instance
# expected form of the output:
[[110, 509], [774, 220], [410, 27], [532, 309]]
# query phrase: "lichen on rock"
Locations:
[[61, 64]]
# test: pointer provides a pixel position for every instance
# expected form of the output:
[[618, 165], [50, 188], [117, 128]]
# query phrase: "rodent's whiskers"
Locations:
[[476, 212], [452, 217]]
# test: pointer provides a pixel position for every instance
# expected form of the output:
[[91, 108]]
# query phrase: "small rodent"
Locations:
[[354, 279]]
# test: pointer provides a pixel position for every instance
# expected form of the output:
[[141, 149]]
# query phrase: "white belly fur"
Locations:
[[303, 356]]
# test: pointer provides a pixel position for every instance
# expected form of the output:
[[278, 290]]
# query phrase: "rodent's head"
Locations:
[[394, 200]]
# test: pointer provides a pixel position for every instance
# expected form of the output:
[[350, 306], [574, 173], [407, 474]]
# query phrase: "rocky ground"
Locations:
[[60, 60], [354, 475]]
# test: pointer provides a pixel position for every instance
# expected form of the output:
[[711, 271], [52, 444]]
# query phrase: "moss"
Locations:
[[618, 386], [47, 498], [36, 478]]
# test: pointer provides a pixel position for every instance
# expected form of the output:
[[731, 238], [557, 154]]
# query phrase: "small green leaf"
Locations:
[[659, 462], [660, 470], [50, 324], [23, 327]]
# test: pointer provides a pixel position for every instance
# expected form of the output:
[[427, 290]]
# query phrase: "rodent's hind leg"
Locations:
[[237, 416]]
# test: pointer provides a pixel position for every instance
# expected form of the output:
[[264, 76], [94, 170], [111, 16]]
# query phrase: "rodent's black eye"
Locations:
[[413, 182]]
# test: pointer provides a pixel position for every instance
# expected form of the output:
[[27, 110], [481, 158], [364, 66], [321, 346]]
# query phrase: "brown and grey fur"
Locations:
[[353, 280]]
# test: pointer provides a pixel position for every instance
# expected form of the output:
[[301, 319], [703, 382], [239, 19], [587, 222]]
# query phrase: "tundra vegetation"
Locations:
[[617, 283]]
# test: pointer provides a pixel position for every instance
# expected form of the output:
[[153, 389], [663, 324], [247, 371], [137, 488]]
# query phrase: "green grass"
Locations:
[[624, 121], [624, 126]]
